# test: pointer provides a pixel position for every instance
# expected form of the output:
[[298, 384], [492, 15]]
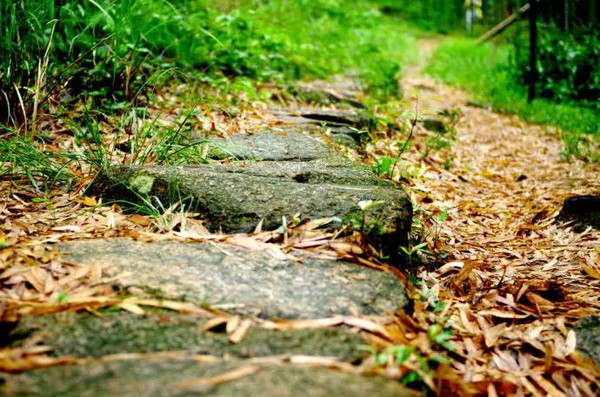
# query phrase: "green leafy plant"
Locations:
[[385, 166], [489, 73], [413, 253], [425, 346], [568, 67], [373, 226], [62, 298]]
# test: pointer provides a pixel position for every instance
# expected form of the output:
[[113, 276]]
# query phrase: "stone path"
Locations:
[[289, 172], [164, 376], [244, 281]]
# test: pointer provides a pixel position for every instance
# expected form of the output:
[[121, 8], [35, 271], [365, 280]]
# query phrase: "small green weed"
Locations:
[[62, 298], [359, 220], [385, 166], [29, 159], [425, 343], [415, 254]]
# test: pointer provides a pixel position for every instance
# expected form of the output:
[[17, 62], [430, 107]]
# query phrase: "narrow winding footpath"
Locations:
[[518, 280]]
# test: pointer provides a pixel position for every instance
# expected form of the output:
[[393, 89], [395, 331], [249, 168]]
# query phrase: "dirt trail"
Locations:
[[517, 279]]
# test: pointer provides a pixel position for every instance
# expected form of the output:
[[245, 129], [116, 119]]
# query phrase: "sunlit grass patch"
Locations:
[[484, 71]]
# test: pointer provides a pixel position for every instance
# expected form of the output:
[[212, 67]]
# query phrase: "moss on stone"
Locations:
[[141, 183], [588, 337], [182, 377], [92, 336]]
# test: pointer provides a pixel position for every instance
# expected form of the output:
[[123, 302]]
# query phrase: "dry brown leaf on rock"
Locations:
[[199, 385], [15, 360]]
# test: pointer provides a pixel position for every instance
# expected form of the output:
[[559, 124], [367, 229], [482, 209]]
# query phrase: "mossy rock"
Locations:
[[243, 281], [85, 335], [186, 376], [588, 337], [283, 145], [235, 199]]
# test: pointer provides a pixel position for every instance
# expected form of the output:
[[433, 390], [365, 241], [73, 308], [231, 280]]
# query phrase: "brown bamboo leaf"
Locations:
[[303, 324], [140, 220], [232, 324], [131, 307], [204, 384], [238, 334], [548, 387], [503, 314], [183, 307], [570, 343], [591, 271]]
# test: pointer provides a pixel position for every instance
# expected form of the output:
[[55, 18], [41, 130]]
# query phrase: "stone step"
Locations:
[[236, 198], [191, 376], [86, 335], [165, 354], [283, 145], [243, 281]]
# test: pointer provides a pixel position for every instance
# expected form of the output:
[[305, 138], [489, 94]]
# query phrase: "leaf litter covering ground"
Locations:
[[514, 281]]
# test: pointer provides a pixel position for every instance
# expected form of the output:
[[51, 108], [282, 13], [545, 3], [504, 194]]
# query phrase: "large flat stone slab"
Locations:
[[185, 376], [244, 281], [342, 90], [334, 170], [236, 198], [344, 126], [85, 335], [284, 145]]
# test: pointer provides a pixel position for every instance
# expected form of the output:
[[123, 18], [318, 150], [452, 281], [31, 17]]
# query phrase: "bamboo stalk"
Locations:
[[496, 30]]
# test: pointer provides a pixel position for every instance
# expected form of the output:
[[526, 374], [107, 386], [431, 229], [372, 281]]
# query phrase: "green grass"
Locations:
[[484, 71], [108, 49], [20, 157], [91, 66], [328, 37]]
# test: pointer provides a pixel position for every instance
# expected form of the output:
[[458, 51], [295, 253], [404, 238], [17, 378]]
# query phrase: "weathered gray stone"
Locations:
[[333, 170], [349, 136], [588, 337], [343, 127], [85, 335], [244, 281], [326, 117], [345, 139], [235, 199], [184, 376], [281, 145], [341, 91]]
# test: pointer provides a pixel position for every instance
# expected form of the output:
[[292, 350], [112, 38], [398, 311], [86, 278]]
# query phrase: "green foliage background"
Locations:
[[108, 49]]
